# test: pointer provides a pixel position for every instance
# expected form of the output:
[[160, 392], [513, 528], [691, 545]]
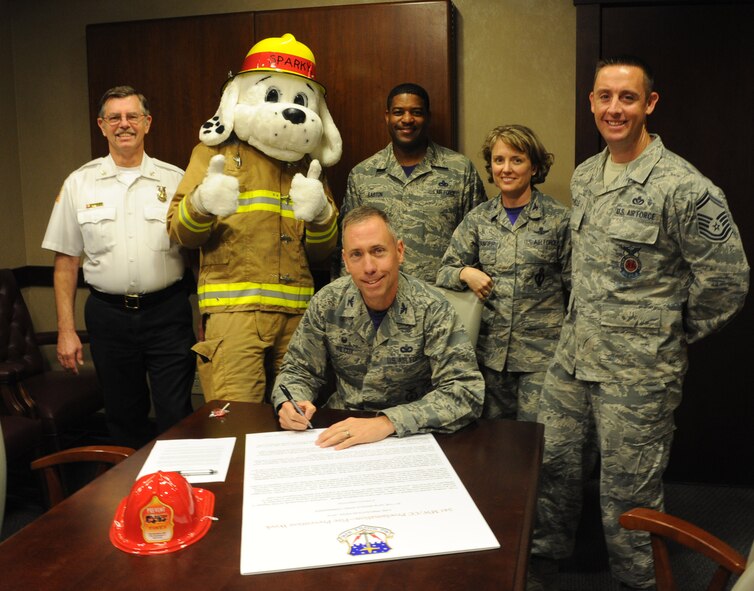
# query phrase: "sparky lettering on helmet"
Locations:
[[279, 61]]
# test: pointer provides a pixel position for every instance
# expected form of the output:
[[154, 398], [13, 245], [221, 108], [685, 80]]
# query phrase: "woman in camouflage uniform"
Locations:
[[514, 253]]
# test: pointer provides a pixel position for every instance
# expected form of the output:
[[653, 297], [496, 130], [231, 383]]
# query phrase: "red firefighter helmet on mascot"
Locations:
[[281, 54], [163, 513]]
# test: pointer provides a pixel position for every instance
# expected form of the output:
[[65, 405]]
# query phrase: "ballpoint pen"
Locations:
[[208, 472], [296, 406]]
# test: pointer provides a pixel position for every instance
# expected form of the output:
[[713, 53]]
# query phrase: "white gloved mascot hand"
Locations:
[[307, 194], [218, 193]]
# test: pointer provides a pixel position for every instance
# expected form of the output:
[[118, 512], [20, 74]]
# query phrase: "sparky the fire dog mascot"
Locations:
[[255, 202]]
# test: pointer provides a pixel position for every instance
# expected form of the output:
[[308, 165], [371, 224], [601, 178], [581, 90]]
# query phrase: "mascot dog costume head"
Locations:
[[275, 104]]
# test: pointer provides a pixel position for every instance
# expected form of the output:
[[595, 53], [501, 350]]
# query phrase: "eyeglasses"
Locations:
[[132, 118]]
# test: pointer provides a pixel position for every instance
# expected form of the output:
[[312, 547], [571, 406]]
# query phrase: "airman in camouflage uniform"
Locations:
[[526, 264], [529, 263], [425, 189], [417, 368], [657, 263]]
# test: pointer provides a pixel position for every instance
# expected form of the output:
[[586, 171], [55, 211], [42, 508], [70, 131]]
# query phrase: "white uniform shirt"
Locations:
[[119, 225]]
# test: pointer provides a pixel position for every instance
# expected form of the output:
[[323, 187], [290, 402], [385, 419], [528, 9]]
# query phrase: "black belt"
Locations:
[[138, 302]]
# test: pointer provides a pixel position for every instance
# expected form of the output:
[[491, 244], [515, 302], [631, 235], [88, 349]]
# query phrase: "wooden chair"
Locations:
[[661, 526], [105, 455]]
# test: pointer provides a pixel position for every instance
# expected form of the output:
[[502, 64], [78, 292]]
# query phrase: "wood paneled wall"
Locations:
[[362, 51], [179, 64]]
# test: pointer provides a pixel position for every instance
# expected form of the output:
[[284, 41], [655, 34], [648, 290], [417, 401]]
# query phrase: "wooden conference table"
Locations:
[[68, 548]]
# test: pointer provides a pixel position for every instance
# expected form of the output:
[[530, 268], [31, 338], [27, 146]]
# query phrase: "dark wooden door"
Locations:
[[702, 55]]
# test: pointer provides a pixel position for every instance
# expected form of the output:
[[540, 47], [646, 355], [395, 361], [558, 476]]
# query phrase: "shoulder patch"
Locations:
[[712, 219]]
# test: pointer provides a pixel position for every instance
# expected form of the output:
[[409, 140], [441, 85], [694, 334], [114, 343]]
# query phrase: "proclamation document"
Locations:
[[311, 507]]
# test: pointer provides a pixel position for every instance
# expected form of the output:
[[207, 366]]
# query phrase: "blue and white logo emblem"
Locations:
[[366, 540]]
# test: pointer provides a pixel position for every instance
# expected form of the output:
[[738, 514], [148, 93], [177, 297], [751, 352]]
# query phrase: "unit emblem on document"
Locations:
[[366, 539]]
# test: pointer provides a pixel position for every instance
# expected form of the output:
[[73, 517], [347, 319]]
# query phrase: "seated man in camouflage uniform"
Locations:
[[396, 347]]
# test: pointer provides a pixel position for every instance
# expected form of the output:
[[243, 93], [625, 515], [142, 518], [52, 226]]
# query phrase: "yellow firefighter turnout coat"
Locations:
[[257, 258]]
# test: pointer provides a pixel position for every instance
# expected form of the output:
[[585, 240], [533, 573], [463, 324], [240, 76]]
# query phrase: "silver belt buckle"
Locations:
[[131, 301]]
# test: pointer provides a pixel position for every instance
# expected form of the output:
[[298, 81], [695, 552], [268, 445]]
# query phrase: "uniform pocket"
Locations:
[[218, 249], [207, 349], [632, 335], [488, 253], [634, 229], [157, 230], [210, 367], [97, 228], [407, 371]]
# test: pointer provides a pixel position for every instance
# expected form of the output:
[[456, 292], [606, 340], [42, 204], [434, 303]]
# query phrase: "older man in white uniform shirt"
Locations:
[[112, 211]]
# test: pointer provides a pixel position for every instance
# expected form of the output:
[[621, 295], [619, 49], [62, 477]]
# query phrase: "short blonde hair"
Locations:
[[524, 140]]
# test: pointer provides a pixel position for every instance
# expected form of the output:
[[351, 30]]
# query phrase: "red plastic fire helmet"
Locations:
[[163, 513]]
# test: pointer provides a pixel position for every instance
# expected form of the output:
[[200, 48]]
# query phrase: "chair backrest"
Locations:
[[469, 307], [662, 526], [104, 455], [18, 345]]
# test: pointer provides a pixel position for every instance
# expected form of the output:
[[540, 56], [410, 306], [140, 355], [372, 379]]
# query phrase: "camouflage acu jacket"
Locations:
[[423, 208], [657, 263], [530, 264], [418, 368]]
